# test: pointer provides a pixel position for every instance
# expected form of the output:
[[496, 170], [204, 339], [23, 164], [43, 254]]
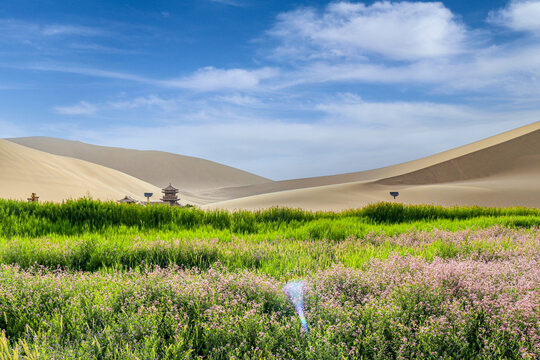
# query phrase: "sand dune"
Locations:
[[56, 178], [503, 170], [510, 156], [190, 175], [389, 171], [499, 192]]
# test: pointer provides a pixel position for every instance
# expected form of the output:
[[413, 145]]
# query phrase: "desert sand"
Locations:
[[189, 174], [503, 170], [380, 173], [57, 178]]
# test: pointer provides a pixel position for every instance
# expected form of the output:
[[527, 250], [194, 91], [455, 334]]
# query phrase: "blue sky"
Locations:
[[284, 89]]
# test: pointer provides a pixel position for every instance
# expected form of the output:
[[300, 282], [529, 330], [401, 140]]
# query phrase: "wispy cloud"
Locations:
[[97, 48], [351, 108], [205, 79], [18, 29], [82, 108], [151, 101], [9, 129], [58, 30], [239, 99], [410, 43], [210, 78], [89, 71]]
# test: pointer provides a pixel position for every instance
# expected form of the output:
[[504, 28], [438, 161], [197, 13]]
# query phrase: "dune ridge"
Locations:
[[189, 174], [506, 157], [503, 170], [374, 174], [57, 178]]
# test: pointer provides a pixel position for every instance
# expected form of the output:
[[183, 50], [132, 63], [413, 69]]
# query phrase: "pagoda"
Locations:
[[127, 200], [170, 195]]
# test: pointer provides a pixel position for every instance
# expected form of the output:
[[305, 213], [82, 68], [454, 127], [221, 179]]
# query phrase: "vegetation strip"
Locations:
[[401, 307], [91, 280]]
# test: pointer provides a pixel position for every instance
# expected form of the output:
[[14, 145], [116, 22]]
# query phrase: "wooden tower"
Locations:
[[170, 195]]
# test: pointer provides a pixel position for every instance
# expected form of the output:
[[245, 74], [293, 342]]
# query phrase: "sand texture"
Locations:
[[503, 170], [189, 174], [56, 178]]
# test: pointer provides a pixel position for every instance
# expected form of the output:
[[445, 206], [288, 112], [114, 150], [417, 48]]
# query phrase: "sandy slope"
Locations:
[[56, 178], [375, 174], [190, 175], [503, 170]]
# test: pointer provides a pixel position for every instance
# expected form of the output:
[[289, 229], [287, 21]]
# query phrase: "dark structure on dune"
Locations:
[[170, 195], [127, 200]]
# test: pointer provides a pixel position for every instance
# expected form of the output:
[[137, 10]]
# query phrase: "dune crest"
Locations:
[[189, 174], [57, 178], [503, 170]]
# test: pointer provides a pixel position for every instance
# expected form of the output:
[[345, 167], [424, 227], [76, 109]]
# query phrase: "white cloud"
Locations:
[[31, 31], [205, 79], [82, 108], [151, 101], [351, 108], [88, 71], [522, 15], [509, 70], [238, 99], [409, 43], [210, 79], [56, 30], [403, 31]]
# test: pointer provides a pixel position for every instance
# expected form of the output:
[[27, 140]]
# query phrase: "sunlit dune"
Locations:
[[56, 178], [189, 174], [503, 170]]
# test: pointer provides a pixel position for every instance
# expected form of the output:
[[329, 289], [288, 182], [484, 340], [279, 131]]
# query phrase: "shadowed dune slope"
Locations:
[[57, 178], [503, 170], [513, 156], [189, 174], [483, 163]]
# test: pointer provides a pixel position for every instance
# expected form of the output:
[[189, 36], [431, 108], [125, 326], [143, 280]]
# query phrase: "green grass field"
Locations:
[[92, 280]]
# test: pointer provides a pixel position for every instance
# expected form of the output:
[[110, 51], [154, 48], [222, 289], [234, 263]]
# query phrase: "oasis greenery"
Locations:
[[92, 280]]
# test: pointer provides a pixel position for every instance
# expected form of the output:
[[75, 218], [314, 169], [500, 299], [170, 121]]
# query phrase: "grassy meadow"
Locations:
[[92, 280]]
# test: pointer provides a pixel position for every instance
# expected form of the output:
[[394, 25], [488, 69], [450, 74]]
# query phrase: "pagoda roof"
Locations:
[[127, 199], [170, 188]]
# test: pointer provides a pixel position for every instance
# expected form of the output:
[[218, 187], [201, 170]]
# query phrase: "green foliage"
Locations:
[[391, 213], [93, 280], [84, 215]]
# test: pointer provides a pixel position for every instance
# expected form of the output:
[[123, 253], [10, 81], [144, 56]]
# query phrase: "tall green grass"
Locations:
[[85, 215], [90, 235], [280, 257]]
